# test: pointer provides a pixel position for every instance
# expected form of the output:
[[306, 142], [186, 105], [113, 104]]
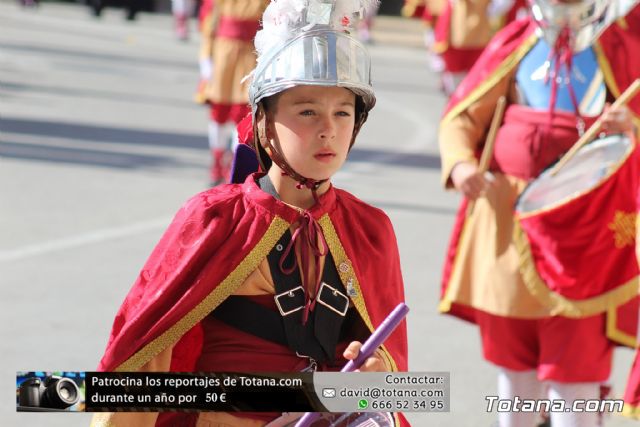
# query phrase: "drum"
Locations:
[[576, 231], [592, 165]]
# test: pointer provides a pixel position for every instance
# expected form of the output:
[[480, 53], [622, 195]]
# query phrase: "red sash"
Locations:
[[529, 140], [237, 29]]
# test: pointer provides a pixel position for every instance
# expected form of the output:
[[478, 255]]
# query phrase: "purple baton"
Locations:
[[368, 348]]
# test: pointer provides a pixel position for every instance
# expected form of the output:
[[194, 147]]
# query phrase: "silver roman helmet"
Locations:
[[309, 42], [585, 19]]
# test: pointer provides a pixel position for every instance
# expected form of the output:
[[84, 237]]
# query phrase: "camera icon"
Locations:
[[54, 393], [329, 392]]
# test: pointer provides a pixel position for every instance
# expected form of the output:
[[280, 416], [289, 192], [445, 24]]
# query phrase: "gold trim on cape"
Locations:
[[557, 304], [277, 227], [610, 80], [445, 303], [502, 70], [616, 334], [348, 278]]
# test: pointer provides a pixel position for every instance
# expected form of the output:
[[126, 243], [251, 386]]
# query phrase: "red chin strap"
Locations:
[[263, 143]]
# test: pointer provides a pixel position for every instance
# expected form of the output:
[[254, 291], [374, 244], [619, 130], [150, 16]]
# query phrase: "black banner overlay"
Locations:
[[225, 391]]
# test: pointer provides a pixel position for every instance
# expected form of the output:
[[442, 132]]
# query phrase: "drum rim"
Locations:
[[612, 170]]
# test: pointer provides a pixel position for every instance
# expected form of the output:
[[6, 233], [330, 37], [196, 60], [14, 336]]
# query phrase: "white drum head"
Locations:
[[591, 165]]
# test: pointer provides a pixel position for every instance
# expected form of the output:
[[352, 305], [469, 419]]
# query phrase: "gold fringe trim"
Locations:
[[558, 304], [503, 69], [618, 335], [348, 276], [277, 227]]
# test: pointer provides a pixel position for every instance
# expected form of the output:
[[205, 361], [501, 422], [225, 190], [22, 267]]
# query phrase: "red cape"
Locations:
[[617, 50], [217, 239]]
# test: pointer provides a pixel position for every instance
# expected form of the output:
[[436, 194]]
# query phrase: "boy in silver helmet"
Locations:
[[283, 272]]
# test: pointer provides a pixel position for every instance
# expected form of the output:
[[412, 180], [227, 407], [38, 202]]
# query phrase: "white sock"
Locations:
[[220, 135], [181, 7], [231, 135], [206, 68], [569, 392], [525, 385]]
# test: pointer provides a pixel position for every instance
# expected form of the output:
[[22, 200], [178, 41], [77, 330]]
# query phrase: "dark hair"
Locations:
[[270, 103]]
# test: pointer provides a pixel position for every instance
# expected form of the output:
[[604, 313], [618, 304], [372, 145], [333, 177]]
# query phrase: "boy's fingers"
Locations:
[[352, 350]]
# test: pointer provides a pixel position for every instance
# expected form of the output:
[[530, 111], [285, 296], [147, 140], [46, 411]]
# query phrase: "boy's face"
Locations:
[[313, 126]]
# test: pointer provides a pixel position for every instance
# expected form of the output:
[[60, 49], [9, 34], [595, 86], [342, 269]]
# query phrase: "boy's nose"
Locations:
[[327, 128]]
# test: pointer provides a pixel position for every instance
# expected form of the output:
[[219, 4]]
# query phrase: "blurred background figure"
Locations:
[[132, 7], [227, 55], [458, 30], [428, 11], [364, 25], [28, 3], [205, 23], [182, 10]]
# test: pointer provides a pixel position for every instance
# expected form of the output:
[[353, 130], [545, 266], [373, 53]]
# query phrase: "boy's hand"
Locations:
[[374, 363], [469, 181], [618, 120]]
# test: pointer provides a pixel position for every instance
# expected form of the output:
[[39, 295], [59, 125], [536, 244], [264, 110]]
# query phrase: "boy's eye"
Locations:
[[306, 113]]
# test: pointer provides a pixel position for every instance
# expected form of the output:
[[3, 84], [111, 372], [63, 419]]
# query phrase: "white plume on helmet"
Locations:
[[283, 19]]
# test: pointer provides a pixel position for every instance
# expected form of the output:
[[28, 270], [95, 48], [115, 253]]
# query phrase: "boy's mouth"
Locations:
[[325, 156]]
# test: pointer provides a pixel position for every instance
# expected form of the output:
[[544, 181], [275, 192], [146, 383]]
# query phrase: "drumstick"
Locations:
[[626, 96], [368, 348], [487, 153]]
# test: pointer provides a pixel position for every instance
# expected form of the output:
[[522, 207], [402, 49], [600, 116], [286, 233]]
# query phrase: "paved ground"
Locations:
[[99, 146]]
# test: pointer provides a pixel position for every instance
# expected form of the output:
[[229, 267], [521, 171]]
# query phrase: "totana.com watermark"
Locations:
[[553, 405]]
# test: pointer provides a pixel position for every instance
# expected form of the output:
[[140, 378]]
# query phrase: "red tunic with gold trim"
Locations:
[[214, 246], [489, 276]]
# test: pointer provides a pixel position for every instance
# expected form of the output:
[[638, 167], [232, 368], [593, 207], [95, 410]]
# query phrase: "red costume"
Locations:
[[528, 319], [214, 243]]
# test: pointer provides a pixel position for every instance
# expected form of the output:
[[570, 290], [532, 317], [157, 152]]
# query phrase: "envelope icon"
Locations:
[[328, 392]]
